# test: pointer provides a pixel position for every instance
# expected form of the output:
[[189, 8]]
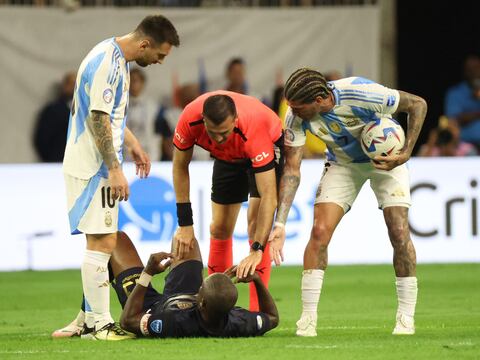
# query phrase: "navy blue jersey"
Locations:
[[181, 318]]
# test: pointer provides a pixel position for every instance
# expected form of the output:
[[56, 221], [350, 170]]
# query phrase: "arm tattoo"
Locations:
[[99, 125], [416, 108], [289, 182]]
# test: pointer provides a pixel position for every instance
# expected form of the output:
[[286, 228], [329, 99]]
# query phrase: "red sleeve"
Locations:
[[261, 152], [267, 130], [183, 138]]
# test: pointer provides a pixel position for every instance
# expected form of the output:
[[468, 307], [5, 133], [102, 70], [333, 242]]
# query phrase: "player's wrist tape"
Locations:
[[279, 224], [184, 214], [144, 324], [144, 279]]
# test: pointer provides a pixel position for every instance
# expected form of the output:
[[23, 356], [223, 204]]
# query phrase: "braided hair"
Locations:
[[305, 85]]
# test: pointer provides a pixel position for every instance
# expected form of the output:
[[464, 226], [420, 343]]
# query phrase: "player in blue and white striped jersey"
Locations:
[[93, 159], [336, 112], [357, 102]]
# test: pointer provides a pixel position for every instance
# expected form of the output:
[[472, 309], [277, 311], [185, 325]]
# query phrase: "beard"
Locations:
[[142, 63]]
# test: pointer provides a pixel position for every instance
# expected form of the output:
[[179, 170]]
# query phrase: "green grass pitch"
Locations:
[[356, 317]]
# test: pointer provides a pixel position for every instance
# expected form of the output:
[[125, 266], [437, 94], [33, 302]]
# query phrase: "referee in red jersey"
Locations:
[[246, 140]]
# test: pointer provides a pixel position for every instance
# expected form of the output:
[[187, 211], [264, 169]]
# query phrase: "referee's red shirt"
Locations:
[[253, 138]]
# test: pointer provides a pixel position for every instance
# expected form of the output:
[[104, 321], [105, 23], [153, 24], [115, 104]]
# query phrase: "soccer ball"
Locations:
[[384, 137]]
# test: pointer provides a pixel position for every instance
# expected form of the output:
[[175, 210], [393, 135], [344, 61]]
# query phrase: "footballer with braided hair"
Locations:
[[336, 112]]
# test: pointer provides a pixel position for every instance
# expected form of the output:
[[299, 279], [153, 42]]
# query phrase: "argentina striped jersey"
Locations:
[[102, 84], [357, 102]]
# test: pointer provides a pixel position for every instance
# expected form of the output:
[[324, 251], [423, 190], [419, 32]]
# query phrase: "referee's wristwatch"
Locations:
[[257, 246]]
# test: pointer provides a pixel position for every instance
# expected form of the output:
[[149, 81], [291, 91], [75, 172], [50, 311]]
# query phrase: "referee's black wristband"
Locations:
[[184, 214]]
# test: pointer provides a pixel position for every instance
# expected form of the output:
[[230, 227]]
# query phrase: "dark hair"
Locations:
[[139, 72], [160, 29], [305, 85], [218, 107], [233, 62], [220, 295]]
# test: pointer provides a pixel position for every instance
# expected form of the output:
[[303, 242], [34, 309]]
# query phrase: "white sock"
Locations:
[[407, 295], [312, 281], [80, 319], [89, 319], [96, 287]]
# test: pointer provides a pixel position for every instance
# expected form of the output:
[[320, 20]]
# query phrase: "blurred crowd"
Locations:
[[457, 133], [74, 4]]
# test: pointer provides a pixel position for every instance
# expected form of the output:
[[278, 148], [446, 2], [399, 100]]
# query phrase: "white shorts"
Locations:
[[341, 184], [90, 207]]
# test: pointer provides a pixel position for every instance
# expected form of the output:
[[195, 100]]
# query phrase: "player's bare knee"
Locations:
[[321, 234], [123, 240], [102, 242], [218, 231]]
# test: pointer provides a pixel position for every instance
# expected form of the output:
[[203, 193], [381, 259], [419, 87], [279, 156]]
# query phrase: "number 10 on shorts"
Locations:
[[107, 197]]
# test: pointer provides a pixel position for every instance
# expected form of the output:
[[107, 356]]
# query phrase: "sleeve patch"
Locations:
[[260, 157], [107, 96], [259, 322], [180, 138], [156, 326], [289, 135], [391, 100]]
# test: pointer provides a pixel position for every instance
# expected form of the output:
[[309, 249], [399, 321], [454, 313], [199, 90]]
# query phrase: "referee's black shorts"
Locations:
[[233, 182]]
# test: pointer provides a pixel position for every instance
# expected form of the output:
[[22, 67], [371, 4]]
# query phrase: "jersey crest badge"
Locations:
[[335, 127], [108, 219], [108, 95]]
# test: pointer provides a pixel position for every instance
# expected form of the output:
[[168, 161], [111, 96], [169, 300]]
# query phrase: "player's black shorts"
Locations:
[[185, 278], [233, 182]]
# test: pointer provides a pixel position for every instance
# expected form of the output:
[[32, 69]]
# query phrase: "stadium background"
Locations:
[[414, 46], [387, 41]]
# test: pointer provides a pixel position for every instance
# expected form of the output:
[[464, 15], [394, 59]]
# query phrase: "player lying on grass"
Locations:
[[189, 306]]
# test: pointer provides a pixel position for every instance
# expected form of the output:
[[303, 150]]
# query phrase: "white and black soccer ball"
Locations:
[[384, 137]]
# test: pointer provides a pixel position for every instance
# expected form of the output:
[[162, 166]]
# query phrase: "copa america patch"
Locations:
[[289, 135], [156, 326], [108, 95]]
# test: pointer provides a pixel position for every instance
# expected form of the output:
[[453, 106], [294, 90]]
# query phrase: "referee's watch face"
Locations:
[[220, 133], [150, 55]]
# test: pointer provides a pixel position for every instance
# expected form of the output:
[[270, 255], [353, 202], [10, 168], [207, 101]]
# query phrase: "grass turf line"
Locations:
[[356, 317]]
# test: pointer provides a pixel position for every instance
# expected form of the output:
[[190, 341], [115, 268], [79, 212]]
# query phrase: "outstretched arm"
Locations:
[[265, 302], [288, 188], [184, 235], [416, 108], [267, 188]]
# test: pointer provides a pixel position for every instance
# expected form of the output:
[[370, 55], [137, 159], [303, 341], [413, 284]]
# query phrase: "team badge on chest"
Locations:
[[335, 127]]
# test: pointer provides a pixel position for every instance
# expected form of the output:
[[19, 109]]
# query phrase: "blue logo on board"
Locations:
[[150, 210]]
